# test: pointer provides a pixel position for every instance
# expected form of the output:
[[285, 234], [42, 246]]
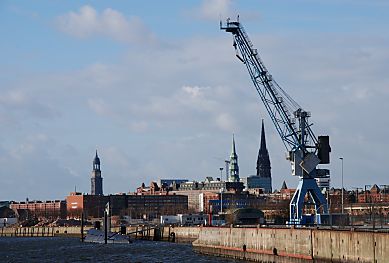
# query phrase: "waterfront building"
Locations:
[[153, 206], [234, 167], [91, 205], [209, 184], [96, 179], [195, 189], [50, 209], [136, 206]]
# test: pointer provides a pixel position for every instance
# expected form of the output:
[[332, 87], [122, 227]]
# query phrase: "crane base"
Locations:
[[306, 186]]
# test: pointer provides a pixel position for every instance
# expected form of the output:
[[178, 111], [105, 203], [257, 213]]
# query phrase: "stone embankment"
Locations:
[[293, 245], [167, 233], [254, 244], [41, 231]]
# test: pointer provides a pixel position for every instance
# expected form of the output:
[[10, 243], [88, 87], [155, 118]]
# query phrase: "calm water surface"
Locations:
[[72, 250]]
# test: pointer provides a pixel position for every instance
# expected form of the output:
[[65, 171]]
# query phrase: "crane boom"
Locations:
[[305, 151], [278, 103]]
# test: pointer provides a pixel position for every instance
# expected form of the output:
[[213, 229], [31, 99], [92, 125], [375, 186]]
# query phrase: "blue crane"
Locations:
[[304, 150]]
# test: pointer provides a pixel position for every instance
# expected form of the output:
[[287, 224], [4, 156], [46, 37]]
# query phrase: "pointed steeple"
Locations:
[[234, 167], [233, 151], [263, 161], [263, 138]]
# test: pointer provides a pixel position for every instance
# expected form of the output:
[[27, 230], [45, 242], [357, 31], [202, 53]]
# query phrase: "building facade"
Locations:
[[171, 182], [51, 209], [145, 206]]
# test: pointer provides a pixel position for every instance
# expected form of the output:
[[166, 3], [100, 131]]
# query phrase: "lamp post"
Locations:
[[341, 158], [221, 189], [221, 199]]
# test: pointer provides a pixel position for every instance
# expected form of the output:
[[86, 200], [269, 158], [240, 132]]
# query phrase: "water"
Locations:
[[72, 250]]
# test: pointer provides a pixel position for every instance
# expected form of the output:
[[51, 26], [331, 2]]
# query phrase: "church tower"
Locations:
[[96, 179], [263, 163], [234, 167]]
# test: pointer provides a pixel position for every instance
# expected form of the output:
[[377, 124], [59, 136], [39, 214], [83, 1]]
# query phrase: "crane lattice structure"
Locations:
[[305, 151]]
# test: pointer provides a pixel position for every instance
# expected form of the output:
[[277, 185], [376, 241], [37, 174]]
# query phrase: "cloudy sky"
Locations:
[[155, 87]]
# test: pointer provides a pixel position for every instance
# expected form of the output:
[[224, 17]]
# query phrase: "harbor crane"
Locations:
[[305, 151]]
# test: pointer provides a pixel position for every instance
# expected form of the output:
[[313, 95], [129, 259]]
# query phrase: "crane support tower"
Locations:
[[304, 150]]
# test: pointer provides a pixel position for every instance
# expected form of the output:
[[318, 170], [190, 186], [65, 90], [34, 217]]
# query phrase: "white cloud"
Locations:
[[214, 9], [88, 22]]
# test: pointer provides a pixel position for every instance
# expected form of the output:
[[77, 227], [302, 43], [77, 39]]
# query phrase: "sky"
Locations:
[[156, 88]]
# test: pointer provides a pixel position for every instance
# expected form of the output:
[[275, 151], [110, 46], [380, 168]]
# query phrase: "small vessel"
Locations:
[[98, 236]]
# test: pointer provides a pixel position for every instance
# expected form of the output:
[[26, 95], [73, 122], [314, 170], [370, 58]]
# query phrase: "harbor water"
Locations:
[[19, 249]]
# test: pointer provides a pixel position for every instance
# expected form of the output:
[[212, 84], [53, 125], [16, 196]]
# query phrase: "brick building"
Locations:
[[136, 206], [42, 209], [376, 194], [91, 205], [153, 206]]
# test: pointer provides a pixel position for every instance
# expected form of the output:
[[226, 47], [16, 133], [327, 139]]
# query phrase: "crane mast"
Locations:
[[305, 151]]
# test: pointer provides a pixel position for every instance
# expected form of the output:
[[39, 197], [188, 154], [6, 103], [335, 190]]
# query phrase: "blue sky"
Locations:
[[156, 88]]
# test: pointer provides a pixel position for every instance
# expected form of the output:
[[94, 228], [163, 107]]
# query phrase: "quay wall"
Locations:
[[293, 244], [41, 231], [181, 234], [185, 234]]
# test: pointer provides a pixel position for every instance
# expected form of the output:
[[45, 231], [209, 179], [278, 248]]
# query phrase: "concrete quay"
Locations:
[[41, 231], [167, 233], [293, 244]]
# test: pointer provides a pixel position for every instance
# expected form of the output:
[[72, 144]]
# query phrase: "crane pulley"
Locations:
[[305, 150]]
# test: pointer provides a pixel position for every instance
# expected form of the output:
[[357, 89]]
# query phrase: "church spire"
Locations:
[[263, 138], [263, 161], [233, 152], [234, 167]]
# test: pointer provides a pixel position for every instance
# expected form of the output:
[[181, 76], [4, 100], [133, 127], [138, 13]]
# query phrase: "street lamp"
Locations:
[[341, 158], [221, 199]]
